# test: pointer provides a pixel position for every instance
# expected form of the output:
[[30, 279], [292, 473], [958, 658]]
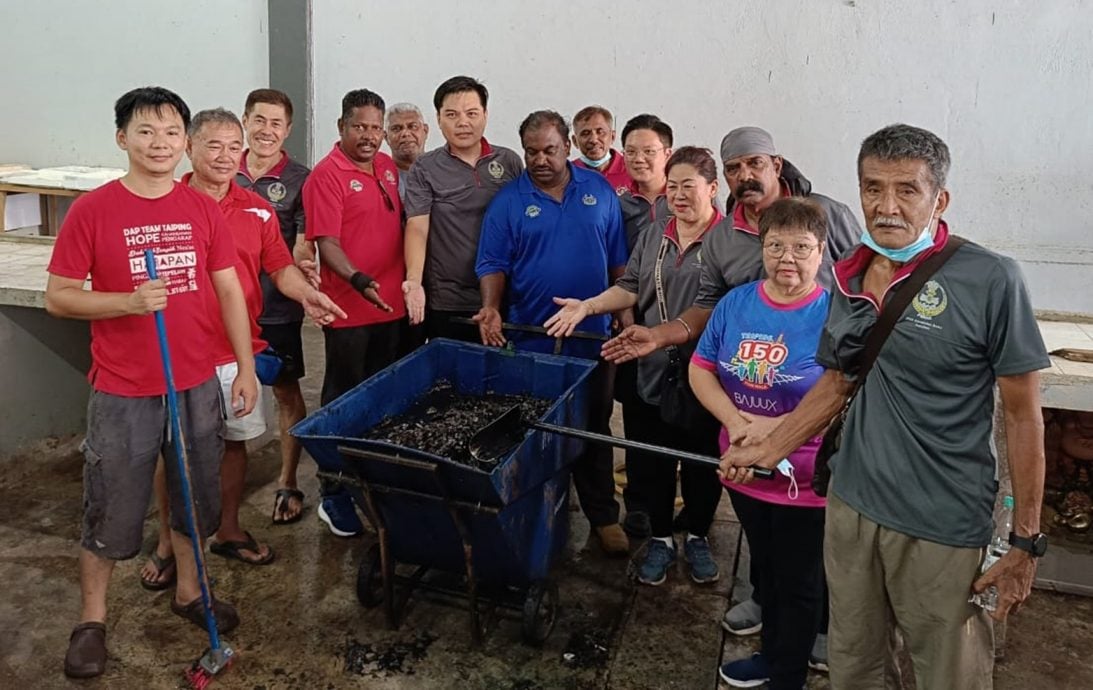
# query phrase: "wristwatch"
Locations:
[[1035, 545]]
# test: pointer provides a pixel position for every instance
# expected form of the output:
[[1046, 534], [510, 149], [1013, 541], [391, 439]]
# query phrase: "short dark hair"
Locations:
[[361, 98], [700, 159], [271, 97], [220, 116], [651, 122], [542, 118], [590, 111], [149, 98], [460, 84], [905, 142], [798, 213]]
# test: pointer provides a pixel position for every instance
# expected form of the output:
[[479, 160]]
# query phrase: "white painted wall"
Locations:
[[1007, 84], [67, 61]]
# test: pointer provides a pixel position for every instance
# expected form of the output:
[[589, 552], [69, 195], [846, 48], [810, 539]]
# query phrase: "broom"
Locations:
[[218, 656]]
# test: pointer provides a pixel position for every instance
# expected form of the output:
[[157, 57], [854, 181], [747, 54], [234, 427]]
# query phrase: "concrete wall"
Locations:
[[1005, 83], [68, 61]]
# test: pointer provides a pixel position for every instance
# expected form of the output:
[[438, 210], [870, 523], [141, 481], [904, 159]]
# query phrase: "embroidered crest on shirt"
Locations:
[[758, 361], [620, 190], [496, 170], [389, 176], [931, 300], [356, 185], [276, 192], [532, 211], [260, 212], [589, 200]]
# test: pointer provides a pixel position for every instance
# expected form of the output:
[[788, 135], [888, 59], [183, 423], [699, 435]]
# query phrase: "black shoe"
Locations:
[[637, 526]]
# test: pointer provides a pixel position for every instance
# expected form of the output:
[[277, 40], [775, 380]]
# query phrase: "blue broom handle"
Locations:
[[183, 466]]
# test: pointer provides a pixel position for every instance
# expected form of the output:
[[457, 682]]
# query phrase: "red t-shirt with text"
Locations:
[[104, 235], [256, 232], [364, 212]]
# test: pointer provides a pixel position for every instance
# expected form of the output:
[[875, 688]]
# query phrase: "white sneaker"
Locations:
[[746, 618]]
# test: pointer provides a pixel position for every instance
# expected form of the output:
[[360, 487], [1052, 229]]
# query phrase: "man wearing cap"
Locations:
[[406, 135], [757, 176], [594, 137], [447, 192]]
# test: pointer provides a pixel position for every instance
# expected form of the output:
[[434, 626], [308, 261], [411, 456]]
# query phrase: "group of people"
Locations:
[[737, 333]]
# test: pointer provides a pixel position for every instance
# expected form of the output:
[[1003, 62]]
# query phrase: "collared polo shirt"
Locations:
[[548, 249], [681, 274], [615, 172], [455, 195], [640, 213], [364, 212], [282, 187], [917, 453]]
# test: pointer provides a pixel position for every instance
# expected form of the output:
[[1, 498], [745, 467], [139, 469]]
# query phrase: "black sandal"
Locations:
[[280, 504], [232, 549], [161, 565]]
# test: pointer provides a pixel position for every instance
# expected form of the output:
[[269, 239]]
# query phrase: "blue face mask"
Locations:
[[904, 254], [595, 164]]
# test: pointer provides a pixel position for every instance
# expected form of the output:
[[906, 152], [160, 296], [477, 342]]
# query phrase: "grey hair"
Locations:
[[220, 116], [905, 142], [403, 109]]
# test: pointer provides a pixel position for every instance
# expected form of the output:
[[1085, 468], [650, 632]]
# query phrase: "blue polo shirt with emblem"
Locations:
[[548, 249]]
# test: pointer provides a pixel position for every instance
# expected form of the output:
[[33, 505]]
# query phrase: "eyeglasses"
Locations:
[[801, 250], [643, 153]]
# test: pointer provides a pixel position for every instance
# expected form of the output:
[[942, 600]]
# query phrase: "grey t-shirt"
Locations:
[[455, 195], [916, 454], [281, 187], [680, 276]]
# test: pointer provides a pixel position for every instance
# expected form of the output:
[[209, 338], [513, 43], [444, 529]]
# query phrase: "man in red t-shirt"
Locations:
[[215, 146], [104, 236], [354, 214], [594, 137]]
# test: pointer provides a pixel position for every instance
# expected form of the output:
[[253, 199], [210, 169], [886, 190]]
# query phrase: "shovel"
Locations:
[[497, 438]]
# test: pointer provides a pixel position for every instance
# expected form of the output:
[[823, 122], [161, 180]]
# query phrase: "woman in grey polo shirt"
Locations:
[[669, 253]]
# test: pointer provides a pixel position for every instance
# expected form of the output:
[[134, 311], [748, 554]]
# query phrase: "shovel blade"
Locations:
[[493, 441]]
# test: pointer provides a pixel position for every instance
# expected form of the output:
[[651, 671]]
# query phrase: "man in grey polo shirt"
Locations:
[[914, 483], [447, 192]]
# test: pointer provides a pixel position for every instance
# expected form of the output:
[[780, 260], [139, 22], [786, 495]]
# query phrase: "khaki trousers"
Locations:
[[884, 583]]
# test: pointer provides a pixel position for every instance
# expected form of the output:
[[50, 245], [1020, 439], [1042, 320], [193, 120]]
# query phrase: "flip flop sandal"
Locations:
[[280, 505], [233, 549], [227, 619], [161, 564]]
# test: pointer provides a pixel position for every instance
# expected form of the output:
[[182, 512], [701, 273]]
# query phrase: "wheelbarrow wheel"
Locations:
[[370, 578], [540, 612]]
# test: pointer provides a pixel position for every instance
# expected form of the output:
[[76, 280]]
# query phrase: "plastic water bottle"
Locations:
[[1000, 544]]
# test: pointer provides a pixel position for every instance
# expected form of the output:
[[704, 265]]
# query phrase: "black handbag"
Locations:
[[889, 316], [678, 404]]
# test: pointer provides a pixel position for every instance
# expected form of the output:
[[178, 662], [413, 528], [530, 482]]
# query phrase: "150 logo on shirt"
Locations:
[[773, 353]]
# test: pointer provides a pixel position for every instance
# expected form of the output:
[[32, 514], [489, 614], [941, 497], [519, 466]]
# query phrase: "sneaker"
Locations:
[[340, 515], [746, 673], [696, 551], [636, 525], [817, 658], [746, 618], [658, 558], [613, 540]]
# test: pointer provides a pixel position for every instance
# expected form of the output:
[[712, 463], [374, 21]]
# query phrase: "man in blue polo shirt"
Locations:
[[557, 230]]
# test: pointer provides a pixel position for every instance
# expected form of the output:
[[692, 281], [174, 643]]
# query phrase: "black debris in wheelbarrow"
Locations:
[[587, 648], [443, 421]]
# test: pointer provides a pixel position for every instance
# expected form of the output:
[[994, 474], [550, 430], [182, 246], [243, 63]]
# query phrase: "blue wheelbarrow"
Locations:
[[493, 533]]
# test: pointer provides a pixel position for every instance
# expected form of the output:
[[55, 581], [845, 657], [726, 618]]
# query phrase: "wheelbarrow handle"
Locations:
[[760, 472], [538, 330]]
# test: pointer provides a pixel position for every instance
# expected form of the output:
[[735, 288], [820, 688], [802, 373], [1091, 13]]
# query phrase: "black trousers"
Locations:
[[787, 542], [438, 324], [593, 471], [626, 393], [756, 579], [653, 477], [352, 355]]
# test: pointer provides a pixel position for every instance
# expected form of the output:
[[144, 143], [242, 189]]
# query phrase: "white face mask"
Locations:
[[786, 468]]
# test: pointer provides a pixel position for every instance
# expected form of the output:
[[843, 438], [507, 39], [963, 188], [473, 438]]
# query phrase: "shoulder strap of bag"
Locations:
[[662, 306], [892, 311]]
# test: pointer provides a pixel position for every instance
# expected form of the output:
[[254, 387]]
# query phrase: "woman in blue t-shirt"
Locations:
[[754, 363]]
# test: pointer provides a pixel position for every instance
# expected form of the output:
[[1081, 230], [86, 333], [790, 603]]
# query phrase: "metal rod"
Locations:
[[538, 330]]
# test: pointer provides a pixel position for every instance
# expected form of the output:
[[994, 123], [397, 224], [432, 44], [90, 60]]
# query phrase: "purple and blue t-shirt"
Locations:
[[764, 354]]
